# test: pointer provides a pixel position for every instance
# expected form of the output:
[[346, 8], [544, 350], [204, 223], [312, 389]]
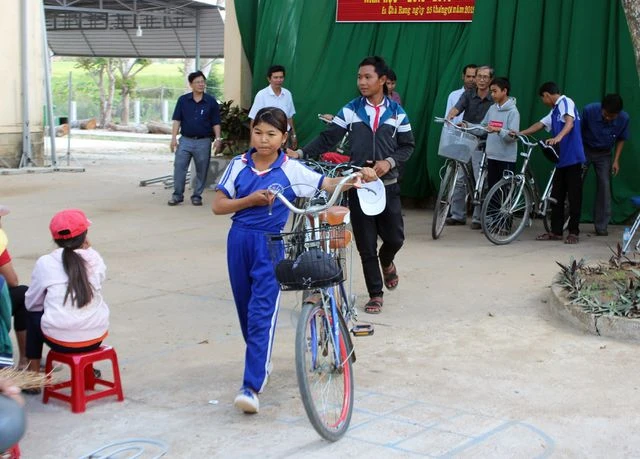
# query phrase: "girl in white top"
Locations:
[[64, 301]]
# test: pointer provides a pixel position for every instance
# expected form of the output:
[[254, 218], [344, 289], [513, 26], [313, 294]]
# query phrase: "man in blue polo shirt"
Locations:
[[563, 122], [604, 124], [197, 117]]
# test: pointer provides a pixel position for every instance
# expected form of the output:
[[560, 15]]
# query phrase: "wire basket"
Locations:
[[309, 259], [457, 144]]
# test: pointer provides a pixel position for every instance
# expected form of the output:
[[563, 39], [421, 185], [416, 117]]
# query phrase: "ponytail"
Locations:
[[78, 288]]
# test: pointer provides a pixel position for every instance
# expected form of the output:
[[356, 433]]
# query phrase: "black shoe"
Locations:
[[196, 201], [174, 202], [602, 233], [476, 226], [452, 222]]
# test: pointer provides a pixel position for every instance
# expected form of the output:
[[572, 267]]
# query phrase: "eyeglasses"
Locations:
[[482, 77]]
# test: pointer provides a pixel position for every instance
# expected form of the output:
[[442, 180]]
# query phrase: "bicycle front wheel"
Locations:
[[443, 201], [505, 211], [326, 386]]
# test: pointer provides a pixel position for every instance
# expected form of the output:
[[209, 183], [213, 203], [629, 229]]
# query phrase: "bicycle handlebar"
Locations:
[[326, 167], [277, 190], [524, 139], [468, 127]]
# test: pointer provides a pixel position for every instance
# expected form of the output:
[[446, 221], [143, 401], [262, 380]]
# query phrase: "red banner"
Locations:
[[404, 10]]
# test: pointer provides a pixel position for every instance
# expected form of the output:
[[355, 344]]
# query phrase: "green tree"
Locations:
[[102, 70], [126, 82], [632, 13]]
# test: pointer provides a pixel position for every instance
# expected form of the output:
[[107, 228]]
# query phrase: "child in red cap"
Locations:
[[64, 301]]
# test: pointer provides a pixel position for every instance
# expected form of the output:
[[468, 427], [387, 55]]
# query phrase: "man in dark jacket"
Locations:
[[379, 136]]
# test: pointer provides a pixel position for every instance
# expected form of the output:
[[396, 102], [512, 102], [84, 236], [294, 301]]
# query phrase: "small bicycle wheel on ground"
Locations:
[[443, 201], [326, 388], [506, 211]]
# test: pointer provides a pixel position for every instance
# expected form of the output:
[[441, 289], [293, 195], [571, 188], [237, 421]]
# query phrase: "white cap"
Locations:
[[372, 197]]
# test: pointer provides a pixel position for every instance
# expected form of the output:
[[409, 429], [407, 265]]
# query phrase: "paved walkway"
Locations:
[[465, 361]]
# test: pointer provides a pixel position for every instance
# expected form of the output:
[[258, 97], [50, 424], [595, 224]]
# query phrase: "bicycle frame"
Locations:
[[328, 297], [540, 202]]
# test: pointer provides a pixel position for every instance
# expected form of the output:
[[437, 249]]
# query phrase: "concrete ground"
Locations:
[[466, 360]]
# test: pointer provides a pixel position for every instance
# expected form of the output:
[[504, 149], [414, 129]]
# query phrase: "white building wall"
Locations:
[[237, 73], [11, 90]]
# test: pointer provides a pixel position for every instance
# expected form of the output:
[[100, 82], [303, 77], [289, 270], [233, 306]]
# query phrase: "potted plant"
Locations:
[[234, 124]]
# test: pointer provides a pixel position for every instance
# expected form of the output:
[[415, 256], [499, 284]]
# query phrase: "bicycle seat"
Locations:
[[335, 215], [635, 200], [549, 151]]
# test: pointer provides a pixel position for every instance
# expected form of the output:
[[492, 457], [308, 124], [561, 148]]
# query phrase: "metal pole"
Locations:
[[47, 82], [197, 38], [25, 160], [69, 121]]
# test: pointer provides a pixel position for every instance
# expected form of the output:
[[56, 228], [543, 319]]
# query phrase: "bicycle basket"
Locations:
[[457, 144], [308, 259]]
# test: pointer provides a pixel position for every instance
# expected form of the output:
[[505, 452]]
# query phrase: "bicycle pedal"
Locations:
[[362, 330]]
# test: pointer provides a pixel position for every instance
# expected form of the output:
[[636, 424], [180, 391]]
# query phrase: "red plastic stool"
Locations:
[[83, 378]]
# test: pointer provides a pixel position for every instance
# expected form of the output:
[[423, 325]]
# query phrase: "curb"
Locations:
[[608, 326]]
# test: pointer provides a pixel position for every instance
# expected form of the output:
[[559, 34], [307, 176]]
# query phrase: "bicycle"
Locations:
[[313, 259], [457, 146], [513, 201], [636, 202]]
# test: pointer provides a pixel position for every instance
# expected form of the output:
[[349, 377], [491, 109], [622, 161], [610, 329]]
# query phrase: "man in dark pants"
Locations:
[[474, 103], [604, 124], [563, 122], [197, 117], [380, 135]]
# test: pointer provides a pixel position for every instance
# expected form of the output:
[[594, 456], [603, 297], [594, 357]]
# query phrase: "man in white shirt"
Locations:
[[468, 82], [275, 95]]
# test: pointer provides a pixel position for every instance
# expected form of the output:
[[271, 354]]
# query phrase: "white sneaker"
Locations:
[[247, 401]]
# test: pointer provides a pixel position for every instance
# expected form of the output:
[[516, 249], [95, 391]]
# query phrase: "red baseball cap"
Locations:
[[68, 224]]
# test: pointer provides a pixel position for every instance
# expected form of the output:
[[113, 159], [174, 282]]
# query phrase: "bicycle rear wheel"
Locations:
[[443, 201], [326, 389], [506, 211], [546, 218]]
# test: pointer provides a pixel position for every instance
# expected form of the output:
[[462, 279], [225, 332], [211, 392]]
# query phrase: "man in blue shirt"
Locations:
[[197, 117], [604, 124], [563, 122]]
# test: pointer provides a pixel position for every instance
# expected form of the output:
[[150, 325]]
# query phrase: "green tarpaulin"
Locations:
[[583, 45]]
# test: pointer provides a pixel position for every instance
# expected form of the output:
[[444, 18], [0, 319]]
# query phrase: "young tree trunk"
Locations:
[[124, 116], [632, 13], [101, 114], [188, 66], [111, 91]]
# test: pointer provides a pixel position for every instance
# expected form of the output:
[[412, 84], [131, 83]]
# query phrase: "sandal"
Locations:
[[548, 237], [572, 239], [374, 306], [390, 276]]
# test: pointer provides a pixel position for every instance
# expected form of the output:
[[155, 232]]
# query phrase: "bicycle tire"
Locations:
[[506, 211], [318, 379], [546, 218], [443, 200]]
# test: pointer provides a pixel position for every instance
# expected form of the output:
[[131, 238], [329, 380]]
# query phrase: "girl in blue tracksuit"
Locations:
[[243, 192]]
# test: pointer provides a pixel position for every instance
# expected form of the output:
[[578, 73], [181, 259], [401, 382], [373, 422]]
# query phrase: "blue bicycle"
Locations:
[[313, 258]]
